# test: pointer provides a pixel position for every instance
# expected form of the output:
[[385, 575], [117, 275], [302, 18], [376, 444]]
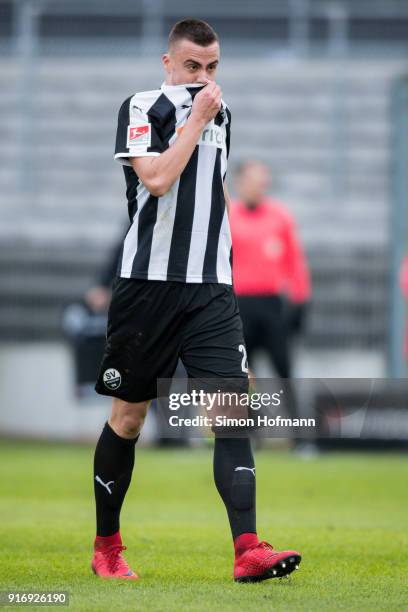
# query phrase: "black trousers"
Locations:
[[264, 322], [265, 326]]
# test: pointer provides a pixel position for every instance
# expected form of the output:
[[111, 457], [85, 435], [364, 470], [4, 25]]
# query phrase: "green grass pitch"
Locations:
[[346, 514]]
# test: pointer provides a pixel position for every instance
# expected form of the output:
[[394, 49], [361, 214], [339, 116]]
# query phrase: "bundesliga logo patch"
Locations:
[[112, 378], [139, 135]]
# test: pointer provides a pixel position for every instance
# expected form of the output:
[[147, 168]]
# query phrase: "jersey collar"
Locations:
[[183, 86]]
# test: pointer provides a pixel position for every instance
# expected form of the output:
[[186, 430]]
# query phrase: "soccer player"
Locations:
[[173, 295]]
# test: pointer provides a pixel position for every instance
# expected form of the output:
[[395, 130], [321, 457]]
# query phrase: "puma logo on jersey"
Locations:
[[106, 485]]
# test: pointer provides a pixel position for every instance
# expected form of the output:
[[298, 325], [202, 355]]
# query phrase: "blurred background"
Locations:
[[318, 91]]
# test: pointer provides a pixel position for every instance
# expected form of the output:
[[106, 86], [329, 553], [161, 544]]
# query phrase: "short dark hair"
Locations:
[[194, 30]]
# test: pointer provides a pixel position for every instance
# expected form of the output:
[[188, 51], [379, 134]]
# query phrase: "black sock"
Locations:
[[234, 475], [113, 465]]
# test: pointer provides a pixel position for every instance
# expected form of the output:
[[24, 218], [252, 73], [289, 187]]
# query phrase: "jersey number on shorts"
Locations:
[[244, 362]]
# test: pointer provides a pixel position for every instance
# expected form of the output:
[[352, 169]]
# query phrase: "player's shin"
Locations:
[[113, 465], [234, 475]]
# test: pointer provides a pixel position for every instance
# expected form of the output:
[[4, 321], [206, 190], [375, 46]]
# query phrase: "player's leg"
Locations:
[[234, 477], [113, 465], [250, 316], [276, 341], [142, 345], [213, 347], [275, 334], [114, 460]]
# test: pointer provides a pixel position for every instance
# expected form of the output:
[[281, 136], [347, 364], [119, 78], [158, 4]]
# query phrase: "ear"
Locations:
[[166, 62]]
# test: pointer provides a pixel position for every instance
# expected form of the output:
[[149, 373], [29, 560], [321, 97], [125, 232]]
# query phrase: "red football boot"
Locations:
[[256, 561], [108, 561]]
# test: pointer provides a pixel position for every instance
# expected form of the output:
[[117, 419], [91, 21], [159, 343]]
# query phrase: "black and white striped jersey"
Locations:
[[183, 235]]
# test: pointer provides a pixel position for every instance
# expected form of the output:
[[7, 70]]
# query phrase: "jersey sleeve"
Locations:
[[137, 133]]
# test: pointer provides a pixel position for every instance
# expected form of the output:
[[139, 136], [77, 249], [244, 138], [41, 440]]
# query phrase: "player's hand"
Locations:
[[207, 102]]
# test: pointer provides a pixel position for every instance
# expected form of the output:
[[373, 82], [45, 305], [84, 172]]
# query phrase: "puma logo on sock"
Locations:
[[106, 485], [240, 468]]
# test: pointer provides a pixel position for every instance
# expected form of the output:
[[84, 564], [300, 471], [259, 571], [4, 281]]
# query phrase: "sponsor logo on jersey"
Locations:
[[112, 378], [139, 135], [212, 136]]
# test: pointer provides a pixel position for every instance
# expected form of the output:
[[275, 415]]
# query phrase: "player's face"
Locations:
[[253, 183], [186, 62]]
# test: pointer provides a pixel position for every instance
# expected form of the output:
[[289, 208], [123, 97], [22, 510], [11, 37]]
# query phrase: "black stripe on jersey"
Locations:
[[157, 145], [120, 259], [228, 131], [147, 220], [163, 114], [132, 183], [183, 221], [123, 122], [193, 91], [214, 227], [219, 118]]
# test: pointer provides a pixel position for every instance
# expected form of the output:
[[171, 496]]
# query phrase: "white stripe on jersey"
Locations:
[[223, 252], [162, 233], [131, 240], [224, 159], [193, 251], [167, 204], [202, 211]]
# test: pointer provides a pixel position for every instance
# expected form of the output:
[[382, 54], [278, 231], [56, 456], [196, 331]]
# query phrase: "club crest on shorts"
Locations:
[[112, 378]]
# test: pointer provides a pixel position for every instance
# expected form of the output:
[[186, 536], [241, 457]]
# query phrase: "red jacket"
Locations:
[[404, 277], [267, 256]]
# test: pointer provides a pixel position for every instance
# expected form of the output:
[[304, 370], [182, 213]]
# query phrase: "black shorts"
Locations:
[[151, 324]]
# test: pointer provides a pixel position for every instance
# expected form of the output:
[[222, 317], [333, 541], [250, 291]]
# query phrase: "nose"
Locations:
[[202, 77]]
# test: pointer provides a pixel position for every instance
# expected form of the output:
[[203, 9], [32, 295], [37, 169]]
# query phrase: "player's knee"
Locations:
[[127, 419], [130, 426]]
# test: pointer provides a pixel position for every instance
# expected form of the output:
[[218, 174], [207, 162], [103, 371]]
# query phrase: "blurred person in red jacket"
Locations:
[[404, 287], [271, 276]]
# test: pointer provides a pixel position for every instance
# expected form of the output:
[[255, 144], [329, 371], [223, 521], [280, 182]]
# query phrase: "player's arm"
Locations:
[[159, 173]]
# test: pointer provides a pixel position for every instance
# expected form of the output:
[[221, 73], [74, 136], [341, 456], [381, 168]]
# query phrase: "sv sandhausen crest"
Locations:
[[112, 378]]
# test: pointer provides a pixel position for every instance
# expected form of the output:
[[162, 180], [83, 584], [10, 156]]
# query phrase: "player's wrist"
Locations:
[[198, 120]]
